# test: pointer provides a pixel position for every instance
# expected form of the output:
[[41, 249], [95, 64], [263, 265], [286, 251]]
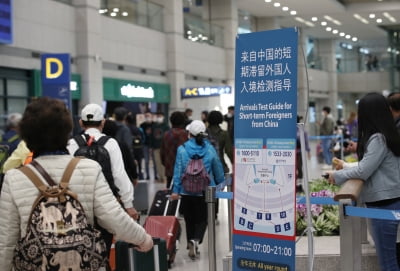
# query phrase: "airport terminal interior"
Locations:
[[168, 55]]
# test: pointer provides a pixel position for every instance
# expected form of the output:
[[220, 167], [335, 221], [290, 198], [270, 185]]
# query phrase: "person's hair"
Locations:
[[90, 123], [46, 125], [215, 117], [231, 107], [13, 120], [327, 109], [110, 127], [374, 116], [130, 119], [394, 101], [188, 110], [199, 139], [120, 113], [178, 119]]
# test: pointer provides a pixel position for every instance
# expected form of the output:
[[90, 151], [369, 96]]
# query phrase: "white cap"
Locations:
[[92, 112], [196, 127]]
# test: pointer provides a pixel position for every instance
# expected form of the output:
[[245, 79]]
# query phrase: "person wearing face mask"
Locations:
[[159, 127], [147, 128]]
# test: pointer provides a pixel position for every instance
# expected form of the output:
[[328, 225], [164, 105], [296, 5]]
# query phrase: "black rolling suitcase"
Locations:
[[160, 202], [127, 258]]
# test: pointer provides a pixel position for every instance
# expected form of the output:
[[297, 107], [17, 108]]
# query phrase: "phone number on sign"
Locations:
[[276, 250], [249, 153], [282, 153]]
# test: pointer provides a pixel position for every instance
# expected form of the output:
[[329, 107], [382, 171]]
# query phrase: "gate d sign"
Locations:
[[56, 76], [58, 65]]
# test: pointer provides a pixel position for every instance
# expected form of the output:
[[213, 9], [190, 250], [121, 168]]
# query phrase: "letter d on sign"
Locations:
[[58, 71]]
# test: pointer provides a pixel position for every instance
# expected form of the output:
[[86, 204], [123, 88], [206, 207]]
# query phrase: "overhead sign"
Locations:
[[56, 77], [265, 150], [6, 21], [196, 92]]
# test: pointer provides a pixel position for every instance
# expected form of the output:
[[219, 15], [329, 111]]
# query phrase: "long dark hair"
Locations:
[[374, 116]]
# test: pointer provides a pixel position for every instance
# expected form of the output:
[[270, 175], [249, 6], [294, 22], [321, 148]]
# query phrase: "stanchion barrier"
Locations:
[[212, 255]]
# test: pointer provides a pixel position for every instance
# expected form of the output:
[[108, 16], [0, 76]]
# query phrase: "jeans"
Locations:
[[147, 151], [326, 150], [384, 233]]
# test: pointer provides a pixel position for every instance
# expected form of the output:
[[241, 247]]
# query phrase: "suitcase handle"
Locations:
[[167, 205]]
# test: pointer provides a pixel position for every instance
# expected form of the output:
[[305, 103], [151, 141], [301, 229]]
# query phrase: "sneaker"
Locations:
[[192, 252]]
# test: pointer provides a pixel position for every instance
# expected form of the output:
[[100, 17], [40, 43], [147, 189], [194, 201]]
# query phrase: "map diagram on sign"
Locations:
[[264, 188]]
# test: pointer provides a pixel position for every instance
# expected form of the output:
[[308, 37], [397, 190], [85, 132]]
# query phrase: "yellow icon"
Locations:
[[58, 72], [191, 92]]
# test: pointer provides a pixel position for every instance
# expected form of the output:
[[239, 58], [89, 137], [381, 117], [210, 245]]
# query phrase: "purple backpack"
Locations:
[[195, 179]]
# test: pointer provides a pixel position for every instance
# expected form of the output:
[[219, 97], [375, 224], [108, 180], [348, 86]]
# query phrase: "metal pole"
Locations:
[[310, 228], [212, 256], [229, 188]]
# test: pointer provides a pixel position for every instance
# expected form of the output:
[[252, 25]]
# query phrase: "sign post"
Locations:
[[56, 77], [265, 150]]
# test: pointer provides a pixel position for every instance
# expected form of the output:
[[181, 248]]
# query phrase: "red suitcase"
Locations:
[[167, 228]]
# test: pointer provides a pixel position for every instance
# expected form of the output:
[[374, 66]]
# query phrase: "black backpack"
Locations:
[[95, 150]]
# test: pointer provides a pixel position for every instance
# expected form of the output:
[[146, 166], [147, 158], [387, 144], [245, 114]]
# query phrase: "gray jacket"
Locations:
[[379, 168]]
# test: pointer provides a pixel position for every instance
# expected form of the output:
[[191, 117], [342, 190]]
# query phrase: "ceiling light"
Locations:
[[328, 29], [124, 13], [324, 23], [115, 9], [335, 31], [379, 20], [267, 1], [337, 22], [299, 19], [348, 36], [371, 16], [285, 8], [389, 17], [358, 17], [354, 39], [113, 14], [310, 24], [277, 4], [349, 46], [314, 19], [293, 12], [329, 18], [342, 34]]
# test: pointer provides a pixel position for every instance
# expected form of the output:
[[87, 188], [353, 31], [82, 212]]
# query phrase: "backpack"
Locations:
[[5, 150], [95, 150], [137, 141], [58, 235], [214, 140], [195, 179]]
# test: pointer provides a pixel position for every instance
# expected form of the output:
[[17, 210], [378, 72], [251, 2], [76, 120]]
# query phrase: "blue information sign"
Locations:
[[56, 77], [265, 150], [6, 21]]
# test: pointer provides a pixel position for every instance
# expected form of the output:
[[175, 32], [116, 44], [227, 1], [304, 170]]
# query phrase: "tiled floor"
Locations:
[[184, 263]]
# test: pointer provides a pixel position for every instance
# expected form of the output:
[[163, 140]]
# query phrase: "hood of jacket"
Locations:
[[192, 148]]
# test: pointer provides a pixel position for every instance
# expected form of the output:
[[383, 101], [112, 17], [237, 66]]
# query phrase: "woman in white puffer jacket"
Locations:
[[45, 127]]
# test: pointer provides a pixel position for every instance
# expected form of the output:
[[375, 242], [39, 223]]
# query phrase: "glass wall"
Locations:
[[14, 93], [143, 13], [198, 30]]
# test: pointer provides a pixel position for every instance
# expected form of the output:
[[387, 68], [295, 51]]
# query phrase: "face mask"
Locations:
[[160, 120], [323, 114], [190, 118], [148, 119], [229, 115]]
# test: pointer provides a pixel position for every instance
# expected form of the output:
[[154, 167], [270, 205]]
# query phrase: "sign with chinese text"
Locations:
[[265, 150], [56, 77], [196, 92]]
